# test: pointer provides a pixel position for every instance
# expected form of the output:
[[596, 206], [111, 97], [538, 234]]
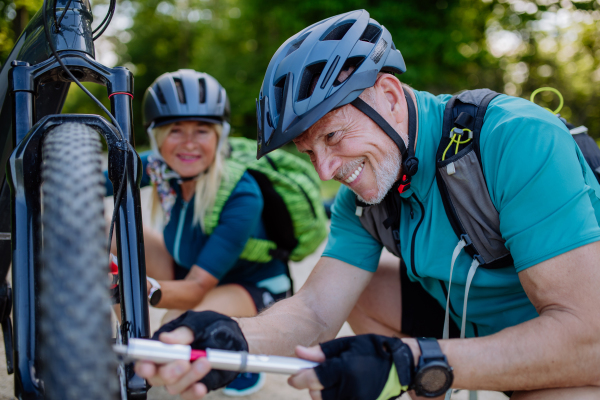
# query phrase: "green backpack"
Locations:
[[293, 212]]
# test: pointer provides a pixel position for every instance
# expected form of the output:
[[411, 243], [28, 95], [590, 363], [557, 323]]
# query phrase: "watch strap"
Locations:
[[430, 350], [153, 282], [155, 292]]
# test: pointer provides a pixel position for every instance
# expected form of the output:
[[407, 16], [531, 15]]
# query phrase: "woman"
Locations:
[[187, 268]]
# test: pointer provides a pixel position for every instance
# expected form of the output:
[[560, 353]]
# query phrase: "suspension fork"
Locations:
[[129, 229]]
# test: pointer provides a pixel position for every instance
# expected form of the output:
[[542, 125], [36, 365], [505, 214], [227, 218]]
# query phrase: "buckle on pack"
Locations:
[[466, 239], [461, 132]]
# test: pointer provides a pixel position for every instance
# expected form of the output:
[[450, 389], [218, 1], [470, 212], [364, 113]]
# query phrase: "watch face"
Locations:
[[155, 297], [434, 380]]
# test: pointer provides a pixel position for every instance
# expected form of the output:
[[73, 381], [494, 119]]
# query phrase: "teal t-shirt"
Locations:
[[538, 180]]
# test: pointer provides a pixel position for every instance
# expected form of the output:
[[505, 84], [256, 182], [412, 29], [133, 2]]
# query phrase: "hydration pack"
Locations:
[[461, 183], [293, 213]]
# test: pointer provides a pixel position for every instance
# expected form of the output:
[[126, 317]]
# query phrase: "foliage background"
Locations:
[[511, 46]]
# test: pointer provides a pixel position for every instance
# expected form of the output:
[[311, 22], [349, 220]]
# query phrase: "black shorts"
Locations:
[[422, 315], [261, 297]]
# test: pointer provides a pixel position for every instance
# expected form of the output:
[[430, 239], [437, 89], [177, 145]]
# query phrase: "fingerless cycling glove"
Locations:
[[211, 330], [365, 367]]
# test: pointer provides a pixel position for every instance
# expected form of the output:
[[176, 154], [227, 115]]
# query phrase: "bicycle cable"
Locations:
[[57, 27], [106, 21], [119, 195]]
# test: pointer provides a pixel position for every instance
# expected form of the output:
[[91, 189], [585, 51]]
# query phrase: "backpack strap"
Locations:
[[461, 182], [462, 186], [233, 172], [256, 250]]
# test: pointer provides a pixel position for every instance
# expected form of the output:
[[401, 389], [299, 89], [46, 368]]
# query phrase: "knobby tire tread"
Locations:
[[77, 360]]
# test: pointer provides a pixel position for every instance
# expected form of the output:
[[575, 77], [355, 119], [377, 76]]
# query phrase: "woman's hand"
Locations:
[[178, 377], [307, 379]]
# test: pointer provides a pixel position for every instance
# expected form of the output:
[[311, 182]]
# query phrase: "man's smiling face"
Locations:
[[349, 147]]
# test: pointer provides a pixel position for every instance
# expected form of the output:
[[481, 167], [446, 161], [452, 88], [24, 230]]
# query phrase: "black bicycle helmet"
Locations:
[[313, 58], [185, 95]]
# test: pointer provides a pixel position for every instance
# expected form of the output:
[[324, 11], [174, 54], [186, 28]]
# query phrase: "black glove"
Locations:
[[211, 330], [358, 368]]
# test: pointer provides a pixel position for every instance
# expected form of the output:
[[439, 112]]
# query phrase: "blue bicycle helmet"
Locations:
[[313, 58]]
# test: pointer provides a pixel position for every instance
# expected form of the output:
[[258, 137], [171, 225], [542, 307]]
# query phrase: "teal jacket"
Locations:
[[218, 253]]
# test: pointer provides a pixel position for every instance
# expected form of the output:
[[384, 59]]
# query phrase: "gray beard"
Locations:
[[386, 174]]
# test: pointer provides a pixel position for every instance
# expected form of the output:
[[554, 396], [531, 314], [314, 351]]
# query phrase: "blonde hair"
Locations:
[[207, 184]]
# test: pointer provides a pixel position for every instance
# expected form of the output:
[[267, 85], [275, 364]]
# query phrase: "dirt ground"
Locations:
[[276, 387]]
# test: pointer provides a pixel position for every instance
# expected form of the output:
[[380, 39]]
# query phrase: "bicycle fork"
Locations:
[[24, 179]]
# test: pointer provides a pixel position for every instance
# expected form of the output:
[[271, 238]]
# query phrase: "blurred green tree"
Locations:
[[448, 46], [234, 41], [14, 16]]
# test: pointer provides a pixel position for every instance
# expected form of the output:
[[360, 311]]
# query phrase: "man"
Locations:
[[531, 327]]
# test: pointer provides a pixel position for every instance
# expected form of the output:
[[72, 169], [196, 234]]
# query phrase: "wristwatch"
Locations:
[[433, 375], [155, 292]]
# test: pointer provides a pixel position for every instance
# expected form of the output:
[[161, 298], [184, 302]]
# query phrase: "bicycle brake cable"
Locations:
[[95, 100], [57, 27], [106, 21]]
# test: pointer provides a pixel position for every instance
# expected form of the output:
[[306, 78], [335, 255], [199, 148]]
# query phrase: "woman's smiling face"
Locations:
[[190, 147]]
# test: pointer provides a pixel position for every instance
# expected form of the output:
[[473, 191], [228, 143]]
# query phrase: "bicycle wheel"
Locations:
[[77, 360]]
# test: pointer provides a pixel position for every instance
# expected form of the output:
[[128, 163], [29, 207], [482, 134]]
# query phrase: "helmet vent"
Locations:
[[309, 79], [220, 98], [278, 91], [160, 95], [371, 34], [297, 45], [180, 90], [378, 51], [348, 69], [202, 91], [338, 32]]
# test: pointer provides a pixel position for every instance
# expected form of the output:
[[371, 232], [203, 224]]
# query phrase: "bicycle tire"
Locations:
[[77, 360]]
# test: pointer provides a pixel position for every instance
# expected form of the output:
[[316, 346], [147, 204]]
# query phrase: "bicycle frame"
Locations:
[[38, 87]]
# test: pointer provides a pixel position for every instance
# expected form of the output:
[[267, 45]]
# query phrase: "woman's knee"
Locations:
[[231, 299], [170, 315]]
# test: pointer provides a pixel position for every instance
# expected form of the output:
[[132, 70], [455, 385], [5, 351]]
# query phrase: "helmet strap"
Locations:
[[410, 163]]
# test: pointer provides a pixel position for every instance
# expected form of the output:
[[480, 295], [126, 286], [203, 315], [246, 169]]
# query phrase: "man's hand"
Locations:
[[178, 377], [208, 330], [357, 367]]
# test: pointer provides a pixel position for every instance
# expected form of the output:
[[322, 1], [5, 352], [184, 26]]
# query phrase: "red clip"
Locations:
[[114, 271], [114, 266], [403, 187]]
